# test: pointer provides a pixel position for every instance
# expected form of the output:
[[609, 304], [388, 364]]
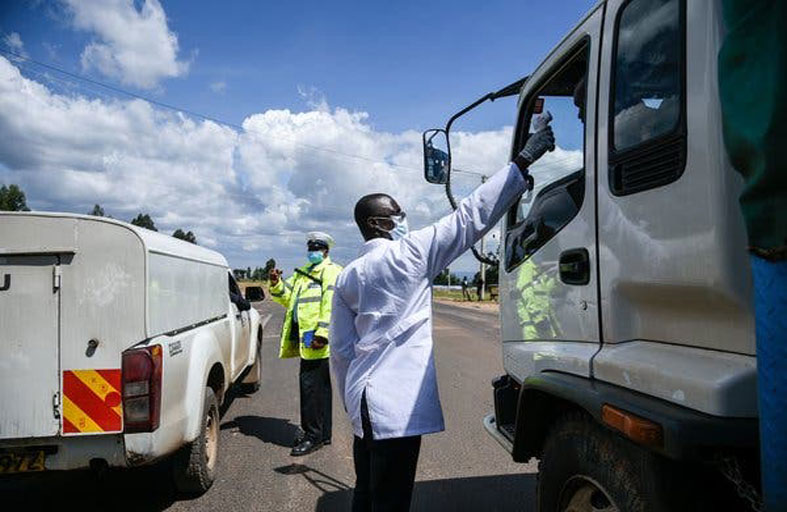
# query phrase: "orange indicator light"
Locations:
[[637, 429]]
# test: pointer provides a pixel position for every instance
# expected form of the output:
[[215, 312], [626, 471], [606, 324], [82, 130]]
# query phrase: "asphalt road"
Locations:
[[461, 469]]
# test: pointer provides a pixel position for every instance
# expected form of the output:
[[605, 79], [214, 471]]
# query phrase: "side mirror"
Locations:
[[254, 293], [437, 156]]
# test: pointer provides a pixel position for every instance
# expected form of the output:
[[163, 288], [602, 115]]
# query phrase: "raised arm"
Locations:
[[443, 242], [281, 290]]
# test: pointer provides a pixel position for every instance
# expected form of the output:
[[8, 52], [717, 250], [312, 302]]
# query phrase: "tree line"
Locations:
[[256, 274], [491, 277], [13, 199]]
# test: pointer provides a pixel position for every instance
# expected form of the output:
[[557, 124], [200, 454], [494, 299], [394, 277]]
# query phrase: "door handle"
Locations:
[[574, 266]]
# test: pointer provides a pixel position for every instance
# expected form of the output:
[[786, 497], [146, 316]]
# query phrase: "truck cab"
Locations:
[[626, 303]]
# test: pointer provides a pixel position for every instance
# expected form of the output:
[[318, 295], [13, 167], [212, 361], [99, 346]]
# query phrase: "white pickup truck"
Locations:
[[117, 345]]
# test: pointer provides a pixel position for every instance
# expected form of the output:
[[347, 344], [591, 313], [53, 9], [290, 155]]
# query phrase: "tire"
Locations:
[[585, 467], [194, 466], [253, 380]]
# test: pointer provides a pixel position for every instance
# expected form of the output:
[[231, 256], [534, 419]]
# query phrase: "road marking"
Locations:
[[266, 320]]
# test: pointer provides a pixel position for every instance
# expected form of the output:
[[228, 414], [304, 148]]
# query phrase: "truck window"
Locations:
[[183, 293], [541, 213], [234, 288], [647, 96], [553, 208]]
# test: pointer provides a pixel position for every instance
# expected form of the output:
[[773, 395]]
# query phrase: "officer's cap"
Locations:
[[320, 238]]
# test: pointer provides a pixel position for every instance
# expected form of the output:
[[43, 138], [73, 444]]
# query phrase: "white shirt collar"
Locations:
[[372, 244]]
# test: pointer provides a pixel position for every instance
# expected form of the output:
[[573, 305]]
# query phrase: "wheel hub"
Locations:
[[583, 494], [211, 438]]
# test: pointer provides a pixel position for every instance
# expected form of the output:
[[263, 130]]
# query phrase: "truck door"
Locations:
[[29, 346], [548, 272], [241, 329], [672, 263]]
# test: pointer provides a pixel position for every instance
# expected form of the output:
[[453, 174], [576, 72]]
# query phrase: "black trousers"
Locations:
[[384, 470], [316, 398]]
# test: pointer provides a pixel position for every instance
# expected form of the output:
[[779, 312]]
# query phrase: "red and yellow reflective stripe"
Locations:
[[92, 401]]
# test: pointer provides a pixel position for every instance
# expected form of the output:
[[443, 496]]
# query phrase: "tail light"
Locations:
[[142, 389]]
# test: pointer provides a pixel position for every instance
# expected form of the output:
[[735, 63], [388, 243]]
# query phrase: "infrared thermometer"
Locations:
[[542, 121]]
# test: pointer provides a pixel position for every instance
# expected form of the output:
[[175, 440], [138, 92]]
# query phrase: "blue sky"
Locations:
[[402, 66], [409, 64]]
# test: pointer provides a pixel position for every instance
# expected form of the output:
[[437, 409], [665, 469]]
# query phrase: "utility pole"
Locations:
[[483, 253]]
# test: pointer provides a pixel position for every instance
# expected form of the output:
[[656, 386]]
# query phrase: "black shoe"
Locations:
[[306, 447], [300, 436]]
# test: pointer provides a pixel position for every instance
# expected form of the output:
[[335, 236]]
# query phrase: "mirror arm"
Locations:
[[467, 109], [509, 90]]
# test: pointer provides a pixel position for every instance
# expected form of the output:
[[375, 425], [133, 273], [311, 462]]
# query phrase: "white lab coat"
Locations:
[[381, 323]]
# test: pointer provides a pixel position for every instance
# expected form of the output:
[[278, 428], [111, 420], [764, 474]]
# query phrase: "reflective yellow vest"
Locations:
[[533, 307], [313, 298]]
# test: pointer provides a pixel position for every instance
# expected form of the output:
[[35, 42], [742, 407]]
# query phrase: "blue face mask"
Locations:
[[316, 257], [400, 229]]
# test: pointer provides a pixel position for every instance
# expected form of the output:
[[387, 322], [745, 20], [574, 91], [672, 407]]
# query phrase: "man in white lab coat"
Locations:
[[381, 331]]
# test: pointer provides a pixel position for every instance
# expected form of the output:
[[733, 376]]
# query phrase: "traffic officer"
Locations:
[[307, 295], [381, 329]]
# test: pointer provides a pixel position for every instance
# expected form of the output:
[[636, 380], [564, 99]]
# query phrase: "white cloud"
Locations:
[[13, 41], [134, 46], [218, 87], [314, 98], [251, 195]]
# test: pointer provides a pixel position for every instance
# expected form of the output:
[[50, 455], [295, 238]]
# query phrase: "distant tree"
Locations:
[[97, 211], [442, 278], [143, 220], [269, 265], [258, 274], [12, 199], [187, 236], [248, 272], [239, 273]]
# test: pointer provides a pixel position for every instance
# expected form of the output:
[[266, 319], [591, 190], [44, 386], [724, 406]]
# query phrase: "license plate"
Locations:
[[22, 462]]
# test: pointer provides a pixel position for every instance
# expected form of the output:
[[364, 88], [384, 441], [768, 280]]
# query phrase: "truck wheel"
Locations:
[[195, 464], [253, 381], [585, 468]]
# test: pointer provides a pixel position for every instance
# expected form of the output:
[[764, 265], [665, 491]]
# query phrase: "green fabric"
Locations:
[[314, 303], [753, 89], [534, 307]]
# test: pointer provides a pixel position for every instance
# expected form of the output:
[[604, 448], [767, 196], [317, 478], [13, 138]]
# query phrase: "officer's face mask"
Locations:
[[316, 257]]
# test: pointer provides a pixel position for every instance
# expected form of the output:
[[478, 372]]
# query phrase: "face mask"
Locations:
[[400, 229], [316, 257]]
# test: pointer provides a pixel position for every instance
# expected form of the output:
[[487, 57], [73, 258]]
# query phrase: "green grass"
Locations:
[[438, 294], [457, 295]]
